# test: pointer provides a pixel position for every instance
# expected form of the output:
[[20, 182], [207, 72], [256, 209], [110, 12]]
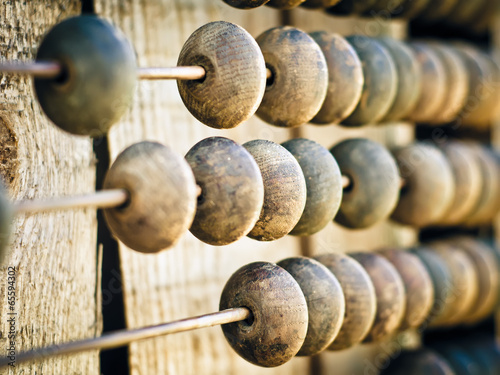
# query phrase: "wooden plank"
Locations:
[[55, 254], [188, 279]]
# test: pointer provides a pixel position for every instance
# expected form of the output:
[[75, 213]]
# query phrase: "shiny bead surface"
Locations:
[[246, 4]]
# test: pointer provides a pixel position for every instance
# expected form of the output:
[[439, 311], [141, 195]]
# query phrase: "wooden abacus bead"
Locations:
[[246, 4], [441, 281], [488, 271], [345, 78], [235, 77], [360, 299], [380, 85], [437, 10], [420, 362], [465, 286], [277, 329], [418, 287], [390, 292], [468, 182], [433, 93], [412, 8], [325, 302], [409, 79], [323, 184], [285, 192], [375, 183], [460, 361], [351, 7], [98, 80], [162, 201], [6, 217], [232, 191], [284, 4], [429, 185], [297, 89], [319, 4], [387, 8]]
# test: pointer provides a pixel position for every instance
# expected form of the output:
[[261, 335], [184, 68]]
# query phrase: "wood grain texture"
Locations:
[[55, 253]]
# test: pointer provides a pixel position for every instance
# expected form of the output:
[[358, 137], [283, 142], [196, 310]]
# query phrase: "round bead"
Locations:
[[418, 287], [374, 189], [385, 8], [284, 4], [235, 77], [468, 182], [6, 217], [380, 85], [429, 187], [409, 79], [325, 302], [162, 197], [319, 4], [460, 361], [441, 281], [487, 268], [285, 191], [297, 89], [278, 326], [464, 11], [232, 191], [351, 7], [246, 4], [345, 78], [323, 185], [98, 80], [465, 286], [433, 93], [412, 8], [418, 363], [360, 299], [437, 10], [390, 292]]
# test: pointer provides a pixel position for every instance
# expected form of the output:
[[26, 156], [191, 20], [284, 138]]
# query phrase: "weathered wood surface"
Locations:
[[55, 253]]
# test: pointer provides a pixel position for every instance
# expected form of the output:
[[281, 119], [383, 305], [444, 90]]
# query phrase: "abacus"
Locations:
[[321, 182]]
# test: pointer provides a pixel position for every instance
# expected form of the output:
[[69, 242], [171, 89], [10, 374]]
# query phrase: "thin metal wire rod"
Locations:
[[125, 337], [346, 182], [52, 70]]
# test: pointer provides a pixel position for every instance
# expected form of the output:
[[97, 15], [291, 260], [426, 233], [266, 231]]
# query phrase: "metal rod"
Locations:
[[36, 68], [100, 199], [190, 73], [125, 337]]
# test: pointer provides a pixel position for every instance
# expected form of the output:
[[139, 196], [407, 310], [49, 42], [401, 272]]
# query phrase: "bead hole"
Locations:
[[63, 77], [125, 204], [248, 322], [271, 79], [350, 187], [201, 195]]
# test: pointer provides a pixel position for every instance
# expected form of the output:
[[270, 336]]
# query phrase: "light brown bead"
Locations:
[[245, 4], [235, 80], [390, 292], [297, 89], [284, 4], [409, 79], [232, 191], [429, 187], [433, 93], [162, 197], [285, 192], [375, 183], [318, 4], [325, 302], [323, 185], [465, 284], [6, 217], [418, 287], [487, 267], [278, 326], [468, 182], [345, 78], [360, 299], [380, 85]]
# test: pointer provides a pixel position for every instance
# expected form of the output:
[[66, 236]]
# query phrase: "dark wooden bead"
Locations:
[[360, 299], [162, 197], [323, 185], [325, 302], [412, 8], [246, 4], [6, 217], [351, 7], [380, 85], [465, 11], [409, 79], [319, 4], [284, 4], [419, 362], [442, 281], [468, 182], [418, 286], [429, 187], [433, 93], [375, 183], [297, 89], [385, 8], [345, 78], [487, 267], [390, 292], [278, 326], [437, 10], [235, 77], [285, 192], [465, 285], [99, 78], [232, 191]]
